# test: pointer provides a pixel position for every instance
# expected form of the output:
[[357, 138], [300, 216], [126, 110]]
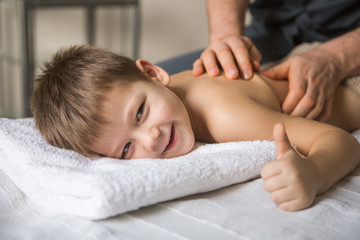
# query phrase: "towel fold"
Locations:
[[68, 183]]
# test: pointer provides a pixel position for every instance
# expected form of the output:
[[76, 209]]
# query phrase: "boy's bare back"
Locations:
[[225, 110]]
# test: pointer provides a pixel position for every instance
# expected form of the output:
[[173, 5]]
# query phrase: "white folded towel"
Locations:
[[68, 183]]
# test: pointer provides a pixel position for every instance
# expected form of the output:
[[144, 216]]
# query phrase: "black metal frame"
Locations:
[[27, 8]]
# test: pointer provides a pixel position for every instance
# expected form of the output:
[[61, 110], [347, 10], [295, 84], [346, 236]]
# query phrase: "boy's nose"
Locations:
[[152, 139]]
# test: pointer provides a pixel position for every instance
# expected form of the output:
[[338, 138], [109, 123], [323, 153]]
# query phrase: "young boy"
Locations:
[[96, 102]]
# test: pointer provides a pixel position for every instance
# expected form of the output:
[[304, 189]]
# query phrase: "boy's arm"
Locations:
[[292, 180], [330, 153]]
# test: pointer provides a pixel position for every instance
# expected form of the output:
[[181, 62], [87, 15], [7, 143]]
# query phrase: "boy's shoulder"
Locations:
[[204, 86], [211, 101], [205, 89], [224, 108]]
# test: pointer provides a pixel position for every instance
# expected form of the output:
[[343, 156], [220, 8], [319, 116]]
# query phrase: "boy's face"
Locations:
[[147, 120]]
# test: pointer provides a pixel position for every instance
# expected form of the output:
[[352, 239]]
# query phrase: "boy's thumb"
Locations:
[[281, 139]]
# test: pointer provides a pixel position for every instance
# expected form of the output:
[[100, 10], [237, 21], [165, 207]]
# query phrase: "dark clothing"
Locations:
[[279, 25]]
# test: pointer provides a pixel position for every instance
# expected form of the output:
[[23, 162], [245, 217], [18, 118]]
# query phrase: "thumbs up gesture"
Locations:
[[291, 179]]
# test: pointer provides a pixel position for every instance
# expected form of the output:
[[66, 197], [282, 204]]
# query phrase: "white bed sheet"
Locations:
[[242, 211]]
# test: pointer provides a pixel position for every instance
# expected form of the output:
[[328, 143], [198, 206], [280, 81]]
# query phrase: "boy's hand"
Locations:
[[291, 179]]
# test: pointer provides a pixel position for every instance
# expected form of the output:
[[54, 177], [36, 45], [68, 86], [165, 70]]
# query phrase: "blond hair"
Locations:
[[68, 96]]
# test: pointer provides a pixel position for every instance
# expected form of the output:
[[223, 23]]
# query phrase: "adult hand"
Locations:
[[313, 78], [237, 55]]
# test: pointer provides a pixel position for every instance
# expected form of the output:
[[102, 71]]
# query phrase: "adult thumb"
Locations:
[[279, 72], [281, 139]]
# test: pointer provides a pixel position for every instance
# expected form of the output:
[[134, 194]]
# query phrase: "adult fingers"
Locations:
[[255, 65], [297, 83], [311, 102], [294, 96], [198, 67], [255, 54], [318, 108], [208, 58], [241, 50], [327, 110], [279, 72], [297, 89], [226, 59]]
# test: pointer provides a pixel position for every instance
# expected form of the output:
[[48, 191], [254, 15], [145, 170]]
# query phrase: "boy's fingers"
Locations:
[[274, 184], [271, 169], [289, 206], [282, 196], [281, 139], [294, 205]]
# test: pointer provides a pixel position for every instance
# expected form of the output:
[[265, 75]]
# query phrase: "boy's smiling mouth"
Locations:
[[172, 139]]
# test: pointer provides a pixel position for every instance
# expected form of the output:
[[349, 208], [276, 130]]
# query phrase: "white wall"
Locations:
[[168, 28], [10, 84], [172, 27]]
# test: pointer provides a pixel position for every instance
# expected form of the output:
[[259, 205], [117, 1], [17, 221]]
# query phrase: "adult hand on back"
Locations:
[[237, 55], [313, 78]]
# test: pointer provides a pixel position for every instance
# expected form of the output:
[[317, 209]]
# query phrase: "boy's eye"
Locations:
[[139, 112], [126, 149]]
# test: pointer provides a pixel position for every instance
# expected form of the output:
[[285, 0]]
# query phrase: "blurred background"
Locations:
[[167, 28]]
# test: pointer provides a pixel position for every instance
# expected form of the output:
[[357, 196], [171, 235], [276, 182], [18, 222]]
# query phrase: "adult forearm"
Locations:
[[335, 154], [345, 51], [226, 17]]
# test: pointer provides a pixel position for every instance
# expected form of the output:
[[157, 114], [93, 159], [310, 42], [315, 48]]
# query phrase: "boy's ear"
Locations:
[[153, 71]]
